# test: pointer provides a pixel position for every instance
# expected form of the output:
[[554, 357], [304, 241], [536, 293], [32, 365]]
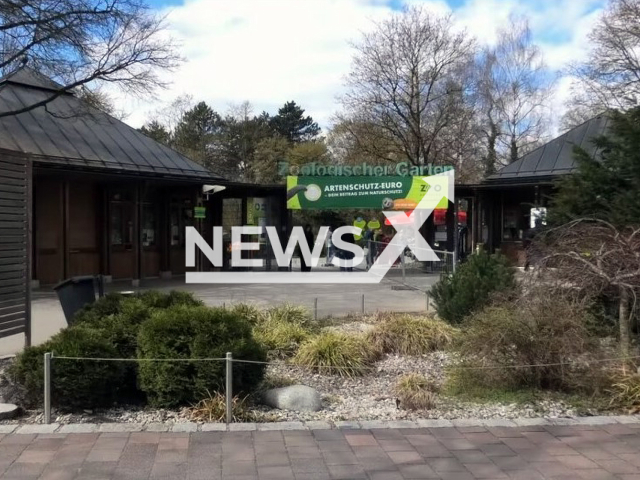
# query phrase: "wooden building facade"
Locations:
[[107, 199], [501, 209]]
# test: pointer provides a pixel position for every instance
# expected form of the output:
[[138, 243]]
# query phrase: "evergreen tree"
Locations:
[[157, 131], [606, 185], [195, 133], [290, 123]]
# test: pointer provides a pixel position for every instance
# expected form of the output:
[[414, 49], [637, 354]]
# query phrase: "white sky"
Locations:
[[272, 51]]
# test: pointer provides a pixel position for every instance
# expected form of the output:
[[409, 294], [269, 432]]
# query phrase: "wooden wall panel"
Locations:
[[15, 206]]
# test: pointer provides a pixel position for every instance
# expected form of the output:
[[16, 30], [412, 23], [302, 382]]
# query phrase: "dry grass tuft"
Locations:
[[415, 392]]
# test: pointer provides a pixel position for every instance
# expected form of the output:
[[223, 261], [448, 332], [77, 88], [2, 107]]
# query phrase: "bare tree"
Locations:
[[610, 76], [513, 86], [597, 258], [399, 88], [85, 43]]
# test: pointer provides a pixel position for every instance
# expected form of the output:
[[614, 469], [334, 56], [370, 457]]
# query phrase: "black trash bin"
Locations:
[[74, 293]]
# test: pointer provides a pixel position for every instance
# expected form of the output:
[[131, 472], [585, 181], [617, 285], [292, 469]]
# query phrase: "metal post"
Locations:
[[47, 387], [315, 308], [455, 261], [404, 280], [228, 390], [363, 304], [428, 301]]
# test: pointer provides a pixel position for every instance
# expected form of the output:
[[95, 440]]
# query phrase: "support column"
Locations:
[[137, 236]]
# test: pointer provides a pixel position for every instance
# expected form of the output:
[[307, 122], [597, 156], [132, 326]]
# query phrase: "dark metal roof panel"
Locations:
[[555, 157], [69, 131]]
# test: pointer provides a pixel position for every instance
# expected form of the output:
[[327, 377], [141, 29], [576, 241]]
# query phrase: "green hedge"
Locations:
[[75, 383], [471, 286], [194, 332]]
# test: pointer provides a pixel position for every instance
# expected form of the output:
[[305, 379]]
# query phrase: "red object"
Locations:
[[439, 218], [400, 220]]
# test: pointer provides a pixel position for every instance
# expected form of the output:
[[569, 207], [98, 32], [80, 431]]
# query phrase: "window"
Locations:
[[149, 225], [180, 217], [121, 224]]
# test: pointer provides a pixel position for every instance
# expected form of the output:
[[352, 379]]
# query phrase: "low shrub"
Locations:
[[411, 335], [625, 391], [289, 313], [214, 409], [119, 317], [282, 329], [76, 384], [336, 353], [250, 313], [415, 392], [191, 333], [539, 341], [471, 286]]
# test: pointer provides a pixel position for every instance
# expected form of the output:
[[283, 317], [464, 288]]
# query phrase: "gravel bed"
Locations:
[[370, 397]]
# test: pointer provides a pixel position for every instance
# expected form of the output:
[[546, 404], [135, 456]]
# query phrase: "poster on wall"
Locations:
[[380, 193], [256, 211]]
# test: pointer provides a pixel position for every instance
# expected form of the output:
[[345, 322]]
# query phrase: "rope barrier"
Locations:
[[328, 367]]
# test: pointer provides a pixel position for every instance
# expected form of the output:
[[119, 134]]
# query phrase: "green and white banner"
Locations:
[[380, 193]]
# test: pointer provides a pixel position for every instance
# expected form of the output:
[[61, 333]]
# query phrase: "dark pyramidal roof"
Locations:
[[69, 132], [556, 157]]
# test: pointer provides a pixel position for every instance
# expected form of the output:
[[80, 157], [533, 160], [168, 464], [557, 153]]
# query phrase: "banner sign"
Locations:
[[380, 193]]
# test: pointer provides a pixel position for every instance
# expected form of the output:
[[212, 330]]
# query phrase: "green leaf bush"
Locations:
[[76, 384], [471, 286], [191, 333]]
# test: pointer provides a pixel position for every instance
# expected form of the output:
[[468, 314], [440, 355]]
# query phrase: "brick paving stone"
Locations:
[[120, 427], [434, 423], [417, 471], [471, 456], [347, 472], [317, 425], [4, 429], [361, 440], [242, 427], [184, 427], [37, 428], [446, 465], [344, 425], [275, 473], [527, 422], [537, 452], [485, 470], [158, 427], [78, 428]]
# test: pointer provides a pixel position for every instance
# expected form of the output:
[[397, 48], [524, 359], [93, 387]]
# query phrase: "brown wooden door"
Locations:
[[84, 242], [49, 231], [122, 234]]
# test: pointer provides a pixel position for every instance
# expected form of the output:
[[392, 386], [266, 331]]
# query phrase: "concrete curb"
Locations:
[[188, 427]]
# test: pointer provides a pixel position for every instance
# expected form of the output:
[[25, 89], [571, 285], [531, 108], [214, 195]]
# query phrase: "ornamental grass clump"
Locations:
[[415, 392], [332, 353], [411, 335], [282, 329], [213, 409]]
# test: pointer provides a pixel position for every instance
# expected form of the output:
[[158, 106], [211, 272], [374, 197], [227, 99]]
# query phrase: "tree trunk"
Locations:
[[623, 319]]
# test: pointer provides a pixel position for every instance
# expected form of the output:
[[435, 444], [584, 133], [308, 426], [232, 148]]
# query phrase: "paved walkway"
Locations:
[[332, 300], [532, 452]]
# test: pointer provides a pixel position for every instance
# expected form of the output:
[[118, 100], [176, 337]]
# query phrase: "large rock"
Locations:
[[8, 410], [296, 397]]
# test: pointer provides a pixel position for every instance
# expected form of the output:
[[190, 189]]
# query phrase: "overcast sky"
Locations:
[[272, 51]]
